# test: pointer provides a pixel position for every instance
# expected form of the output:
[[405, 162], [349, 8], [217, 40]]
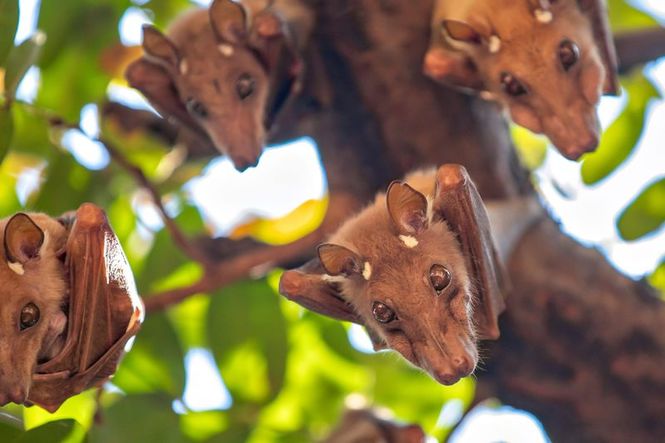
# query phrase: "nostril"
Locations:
[[463, 365], [17, 396], [242, 164]]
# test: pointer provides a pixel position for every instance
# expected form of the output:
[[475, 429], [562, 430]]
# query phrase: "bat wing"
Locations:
[[276, 53], [157, 86], [307, 287], [596, 10], [457, 201], [105, 312]]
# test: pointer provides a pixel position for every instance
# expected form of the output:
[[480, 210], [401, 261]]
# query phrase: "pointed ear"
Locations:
[[596, 11], [458, 203], [307, 287], [229, 20], [156, 84], [338, 260], [462, 32], [23, 239], [407, 208], [159, 48]]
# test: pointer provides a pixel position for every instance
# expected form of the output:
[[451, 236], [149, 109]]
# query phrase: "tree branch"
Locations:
[[638, 47]]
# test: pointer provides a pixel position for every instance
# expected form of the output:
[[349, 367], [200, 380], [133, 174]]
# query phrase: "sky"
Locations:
[[295, 175]]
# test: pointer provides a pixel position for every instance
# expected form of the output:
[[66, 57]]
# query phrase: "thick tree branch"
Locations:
[[639, 47]]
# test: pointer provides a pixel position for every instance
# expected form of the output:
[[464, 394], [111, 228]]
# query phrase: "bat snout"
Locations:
[[585, 144], [14, 394], [242, 163]]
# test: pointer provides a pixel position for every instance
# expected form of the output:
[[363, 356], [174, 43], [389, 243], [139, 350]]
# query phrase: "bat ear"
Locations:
[[458, 203], [23, 239], [229, 20], [159, 48], [338, 260], [307, 287], [596, 11], [462, 32], [407, 208], [310, 288], [156, 84]]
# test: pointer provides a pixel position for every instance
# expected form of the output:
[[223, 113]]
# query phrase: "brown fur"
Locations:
[[560, 104], [434, 332], [42, 283]]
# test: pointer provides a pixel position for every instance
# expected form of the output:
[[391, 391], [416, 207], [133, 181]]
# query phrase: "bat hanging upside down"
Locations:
[[417, 268], [69, 306], [222, 72], [546, 61]]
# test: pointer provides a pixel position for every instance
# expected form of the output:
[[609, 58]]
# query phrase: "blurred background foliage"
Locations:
[[287, 373]]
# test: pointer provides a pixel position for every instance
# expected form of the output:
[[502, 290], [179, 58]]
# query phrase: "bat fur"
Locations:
[[32, 272], [546, 61], [378, 271], [223, 72]]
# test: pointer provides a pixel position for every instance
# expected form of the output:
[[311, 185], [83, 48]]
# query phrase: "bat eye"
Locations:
[[29, 316], [196, 108], [569, 54], [245, 86], [440, 277], [511, 85], [382, 313]]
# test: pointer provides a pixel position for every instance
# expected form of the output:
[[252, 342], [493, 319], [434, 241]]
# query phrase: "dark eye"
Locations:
[[245, 86], [196, 108], [569, 54], [511, 85], [29, 316], [382, 313], [440, 277]]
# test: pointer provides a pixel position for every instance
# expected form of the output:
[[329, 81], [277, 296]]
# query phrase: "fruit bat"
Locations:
[[223, 72], [546, 61], [417, 268], [69, 307]]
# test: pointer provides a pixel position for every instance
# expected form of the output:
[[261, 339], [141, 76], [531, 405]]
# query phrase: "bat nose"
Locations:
[[446, 377], [463, 365], [242, 164], [13, 395], [582, 146]]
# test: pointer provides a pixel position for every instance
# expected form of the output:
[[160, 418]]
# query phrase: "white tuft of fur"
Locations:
[[184, 67], [409, 241], [226, 49], [543, 16], [16, 267], [494, 44], [332, 278], [367, 271]]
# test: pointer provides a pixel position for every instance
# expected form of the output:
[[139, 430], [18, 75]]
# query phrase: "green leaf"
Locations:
[[645, 214], [657, 279], [247, 334], [139, 418], [21, 58], [55, 431], [8, 27], [6, 131], [155, 362], [620, 139], [624, 17]]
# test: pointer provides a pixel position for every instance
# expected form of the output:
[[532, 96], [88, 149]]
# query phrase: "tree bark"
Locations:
[[581, 345]]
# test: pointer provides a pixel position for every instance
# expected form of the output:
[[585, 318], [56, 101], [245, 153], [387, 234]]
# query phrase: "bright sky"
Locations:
[[288, 175]]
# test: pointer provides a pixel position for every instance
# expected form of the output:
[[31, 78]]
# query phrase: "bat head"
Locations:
[[362, 425], [221, 72], [402, 269], [543, 61], [409, 283], [32, 320]]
